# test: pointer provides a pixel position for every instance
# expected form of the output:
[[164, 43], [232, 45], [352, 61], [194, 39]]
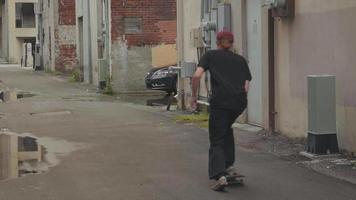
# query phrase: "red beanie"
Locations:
[[225, 35]]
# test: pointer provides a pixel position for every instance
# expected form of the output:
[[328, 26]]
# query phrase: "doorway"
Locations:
[[80, 47], [254, 56]]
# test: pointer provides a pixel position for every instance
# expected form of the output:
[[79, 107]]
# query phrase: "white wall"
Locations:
[[319, 40]]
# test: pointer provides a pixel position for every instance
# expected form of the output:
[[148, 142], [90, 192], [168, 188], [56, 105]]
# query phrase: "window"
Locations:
[[27, 144], [25, 15], [132, 25]]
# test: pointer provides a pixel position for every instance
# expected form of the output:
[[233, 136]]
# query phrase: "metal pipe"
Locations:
[[180, 45], [271, 74], [202, 10]]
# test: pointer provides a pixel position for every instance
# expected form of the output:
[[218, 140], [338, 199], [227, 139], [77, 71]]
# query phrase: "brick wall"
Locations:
[[65, 37], [158, 21], [66, 58], [66, 10]]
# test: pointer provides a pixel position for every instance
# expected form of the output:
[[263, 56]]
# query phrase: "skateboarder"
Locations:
[[230, 78]]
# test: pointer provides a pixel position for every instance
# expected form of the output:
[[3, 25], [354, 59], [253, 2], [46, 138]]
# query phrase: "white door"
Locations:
[[254, 43]]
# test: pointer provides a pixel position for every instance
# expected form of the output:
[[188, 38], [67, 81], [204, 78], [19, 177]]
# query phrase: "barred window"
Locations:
[[132, 25]]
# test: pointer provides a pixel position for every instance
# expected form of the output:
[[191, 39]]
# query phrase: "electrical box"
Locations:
[[188, 69], [322, 114], [322, 104], [196, 38], [224, 17]]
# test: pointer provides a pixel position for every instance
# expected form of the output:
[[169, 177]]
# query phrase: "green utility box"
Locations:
[[322, 134]]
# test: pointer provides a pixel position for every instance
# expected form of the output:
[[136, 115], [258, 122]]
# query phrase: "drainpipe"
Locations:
[[180, 44], [271, 74], [108, 21]]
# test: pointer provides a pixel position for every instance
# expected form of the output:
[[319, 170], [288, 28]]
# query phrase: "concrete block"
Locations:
[[9, 96]]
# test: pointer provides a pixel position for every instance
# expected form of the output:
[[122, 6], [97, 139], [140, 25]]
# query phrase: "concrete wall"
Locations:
[[5, 26], [48, 26], [188, 19], [319, 40], [132, 53], [130, 66], [8, 157], [10, 20], [87, 41]]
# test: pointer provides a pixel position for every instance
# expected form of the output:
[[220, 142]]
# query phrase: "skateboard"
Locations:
[[232, 180], [235, 179]]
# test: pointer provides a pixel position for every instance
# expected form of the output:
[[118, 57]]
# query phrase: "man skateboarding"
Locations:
[[230, 78]]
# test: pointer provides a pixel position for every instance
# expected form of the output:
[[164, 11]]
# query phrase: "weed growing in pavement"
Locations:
[[108, 89], [201, 119], [353, 163], [204, 124], [57, 73], [75, 76], [53, 72], [193, 118]]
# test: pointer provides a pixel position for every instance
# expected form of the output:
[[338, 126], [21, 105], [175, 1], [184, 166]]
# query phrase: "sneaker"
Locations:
[[220, 184]]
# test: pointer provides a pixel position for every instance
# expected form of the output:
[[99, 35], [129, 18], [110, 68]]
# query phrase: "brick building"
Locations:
[[106, 38], [137, 27], [57, 35], [144, 22]]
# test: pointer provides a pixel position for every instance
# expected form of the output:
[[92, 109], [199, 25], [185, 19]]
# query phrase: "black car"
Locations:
[[164, 79]]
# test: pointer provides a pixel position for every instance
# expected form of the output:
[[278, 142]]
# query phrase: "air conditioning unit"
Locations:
[[281, 8], [275, 3]]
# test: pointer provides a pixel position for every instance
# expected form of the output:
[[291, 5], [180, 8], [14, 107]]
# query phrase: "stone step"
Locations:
[[3, 61]]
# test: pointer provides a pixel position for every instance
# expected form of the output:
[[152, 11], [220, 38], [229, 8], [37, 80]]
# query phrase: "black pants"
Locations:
[[222, 144]]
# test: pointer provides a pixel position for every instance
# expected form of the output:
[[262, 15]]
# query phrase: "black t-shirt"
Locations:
[[229, 71]]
